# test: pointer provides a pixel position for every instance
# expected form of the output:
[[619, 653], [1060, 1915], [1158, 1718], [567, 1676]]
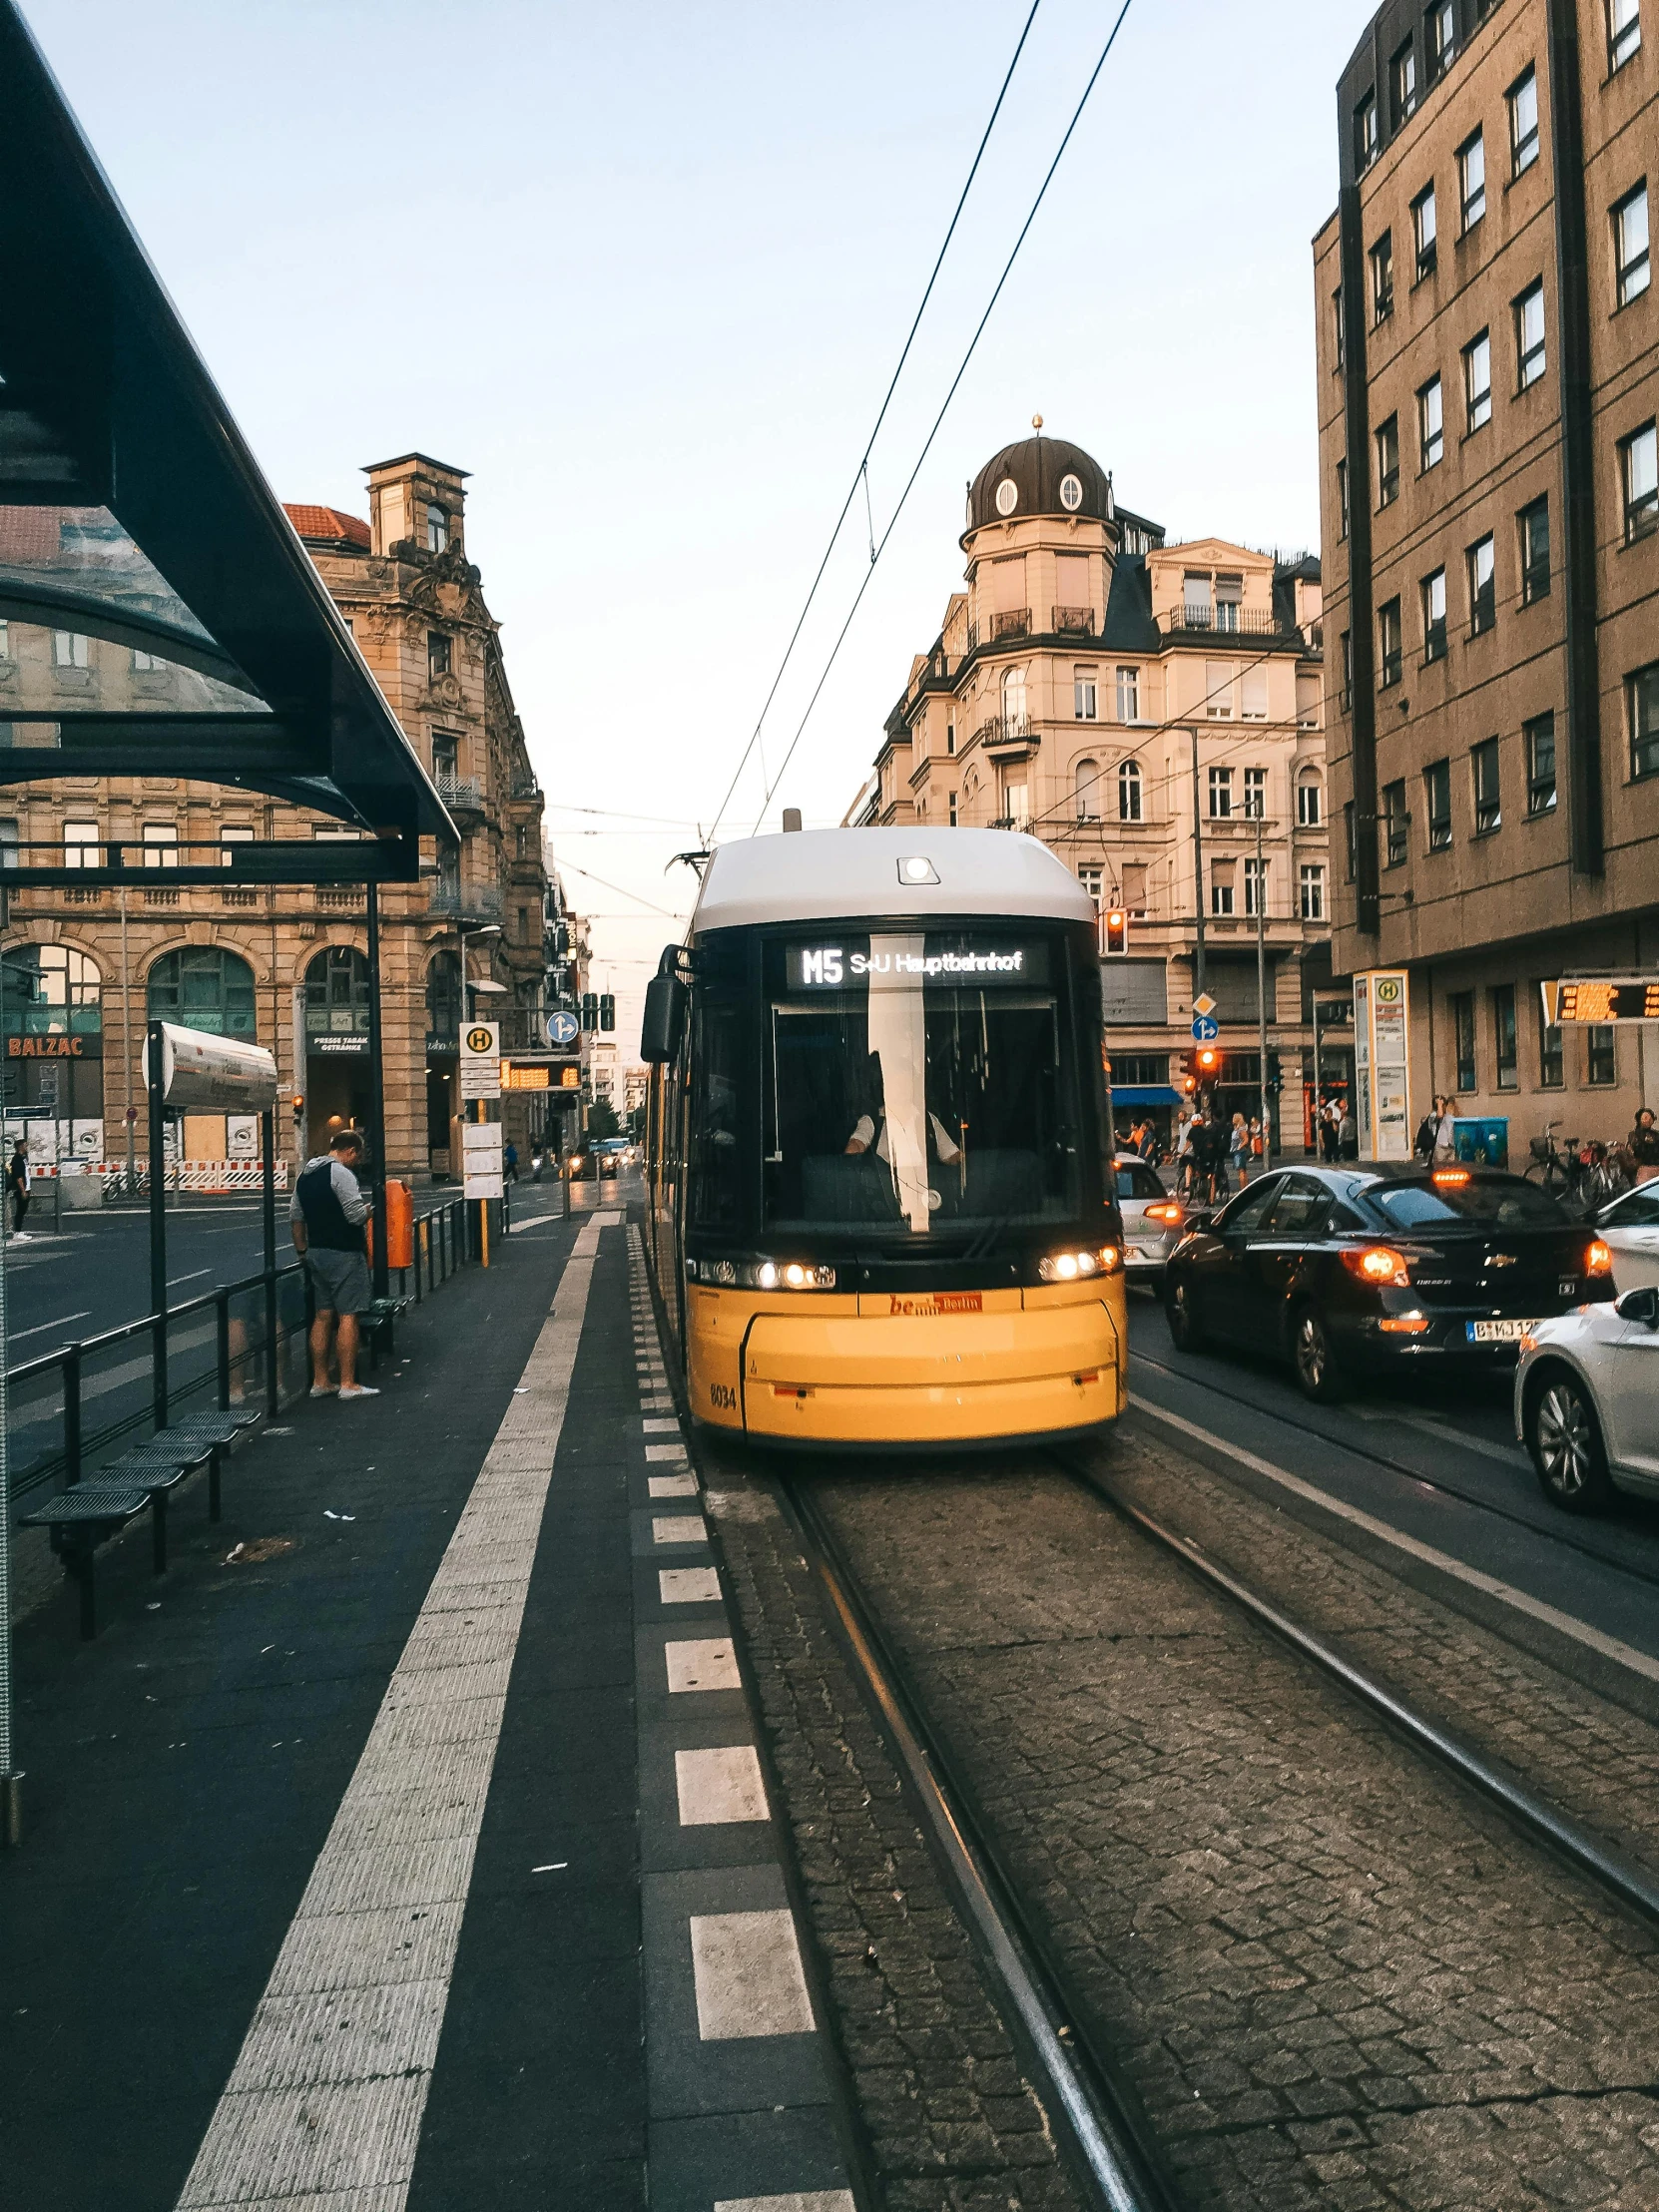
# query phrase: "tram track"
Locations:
[[1084, 2081]]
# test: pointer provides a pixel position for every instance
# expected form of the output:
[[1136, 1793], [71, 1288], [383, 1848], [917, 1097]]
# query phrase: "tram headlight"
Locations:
[[1077, 1267], [764, 1274]]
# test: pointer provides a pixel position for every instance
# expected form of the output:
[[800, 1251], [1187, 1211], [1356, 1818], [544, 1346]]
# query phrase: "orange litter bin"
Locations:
[[399, 1226]]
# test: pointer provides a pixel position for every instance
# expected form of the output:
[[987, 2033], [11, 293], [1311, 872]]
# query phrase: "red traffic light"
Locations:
[[1208, 1058]]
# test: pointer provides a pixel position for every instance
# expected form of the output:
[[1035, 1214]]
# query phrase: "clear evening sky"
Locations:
[[645, 272]]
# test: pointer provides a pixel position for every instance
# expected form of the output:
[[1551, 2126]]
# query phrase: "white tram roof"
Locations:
[[824, 874]]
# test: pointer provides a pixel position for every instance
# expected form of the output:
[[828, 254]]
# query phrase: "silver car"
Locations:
[[1630, 1228], [1587, 1400], [1153, 1222]]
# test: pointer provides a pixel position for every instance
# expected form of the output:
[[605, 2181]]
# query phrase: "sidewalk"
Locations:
[[419, 1856]]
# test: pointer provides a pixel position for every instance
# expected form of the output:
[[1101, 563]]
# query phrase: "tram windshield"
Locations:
[[916, 1083]]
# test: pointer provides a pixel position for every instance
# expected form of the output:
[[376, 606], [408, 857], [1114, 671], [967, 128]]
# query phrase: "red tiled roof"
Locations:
[[327, 525]]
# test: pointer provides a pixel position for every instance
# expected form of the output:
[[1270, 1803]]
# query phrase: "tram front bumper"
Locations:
[[1040, 1369]]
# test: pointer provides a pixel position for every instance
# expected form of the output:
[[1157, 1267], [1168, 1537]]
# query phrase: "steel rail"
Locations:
[[1123, 2170], [1551, 1530], [1633, 1885]]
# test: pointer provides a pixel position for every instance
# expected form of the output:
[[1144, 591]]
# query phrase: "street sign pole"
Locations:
[[156, 1080], [377, 1106], [1262, 995], [1198, 874]]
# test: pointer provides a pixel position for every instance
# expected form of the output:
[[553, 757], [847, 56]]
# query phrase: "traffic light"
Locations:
[[607, 1010], [1114, 933], [1207, 1063], [297, 1102], [1276, 1075], [590, 1010]]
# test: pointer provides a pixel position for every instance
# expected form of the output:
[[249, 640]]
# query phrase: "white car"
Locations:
[[1631, 1225], [1587, 1402], [1153, 1222]]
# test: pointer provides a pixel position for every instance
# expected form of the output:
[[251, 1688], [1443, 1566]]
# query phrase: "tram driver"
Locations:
[[870, 1128]]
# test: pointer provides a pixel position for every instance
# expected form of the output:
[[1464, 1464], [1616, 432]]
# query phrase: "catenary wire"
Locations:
[[860, 474], [928, 445]]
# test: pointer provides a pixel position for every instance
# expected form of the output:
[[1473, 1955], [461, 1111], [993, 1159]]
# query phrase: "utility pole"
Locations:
[[376, 1102], [1262, 992], [1198, 872]]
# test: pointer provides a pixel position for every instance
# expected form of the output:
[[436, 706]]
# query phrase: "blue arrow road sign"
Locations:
[[565, 1028], [1206, 1029]]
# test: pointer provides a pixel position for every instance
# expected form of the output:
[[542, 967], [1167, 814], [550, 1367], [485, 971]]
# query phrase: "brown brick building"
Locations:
[[1489, 378], [286, 966]]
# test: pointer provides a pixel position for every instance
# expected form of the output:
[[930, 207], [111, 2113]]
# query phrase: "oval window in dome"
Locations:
[[1071, 493], [1008, 496]]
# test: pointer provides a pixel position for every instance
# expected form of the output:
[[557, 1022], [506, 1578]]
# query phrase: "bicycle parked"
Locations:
[[1581, 1175]]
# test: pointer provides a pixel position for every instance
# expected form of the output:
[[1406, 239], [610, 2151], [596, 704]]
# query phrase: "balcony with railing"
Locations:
[[1224, 620], [462, 795], [1072, 622], [470, 904], [1006, 730]]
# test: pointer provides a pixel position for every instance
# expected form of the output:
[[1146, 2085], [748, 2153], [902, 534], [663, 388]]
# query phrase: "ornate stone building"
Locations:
[[288, 967], [1080, 687]]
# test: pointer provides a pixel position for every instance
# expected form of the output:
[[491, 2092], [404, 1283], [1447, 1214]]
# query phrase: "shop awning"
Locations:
[[1144, 1094], [164, 618]]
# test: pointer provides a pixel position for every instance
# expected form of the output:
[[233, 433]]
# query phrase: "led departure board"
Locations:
[[1602, 998]]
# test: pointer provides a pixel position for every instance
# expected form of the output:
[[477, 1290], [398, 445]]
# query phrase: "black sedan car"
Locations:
[[1349, 1271]]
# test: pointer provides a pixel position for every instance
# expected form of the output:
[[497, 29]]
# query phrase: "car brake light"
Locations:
[[1451, 1176], [1599, 1259], [1378, 1264]]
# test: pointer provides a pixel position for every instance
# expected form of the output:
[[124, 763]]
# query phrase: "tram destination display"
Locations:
[[974, 963], [1602, 998]]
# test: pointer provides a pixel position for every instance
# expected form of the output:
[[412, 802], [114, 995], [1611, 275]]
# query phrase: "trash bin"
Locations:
[[399, 1226], [1481, 1140]]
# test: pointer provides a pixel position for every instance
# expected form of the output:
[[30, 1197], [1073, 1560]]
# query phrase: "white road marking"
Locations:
[[705, 1663], [679, 1528], [675, 1455], [327, 2097], [657, 1427], [17, 1334], [749, 1977], [1443, 1431], [195, 1276], [801, 2200], [717, 1787], [688, 1586], [1610, 1647], [673, 1486]]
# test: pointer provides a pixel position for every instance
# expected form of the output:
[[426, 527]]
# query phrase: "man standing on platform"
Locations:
[[326, 1222]]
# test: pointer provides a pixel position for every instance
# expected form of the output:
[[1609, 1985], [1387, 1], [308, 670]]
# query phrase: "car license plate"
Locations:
[[1497, 1331]]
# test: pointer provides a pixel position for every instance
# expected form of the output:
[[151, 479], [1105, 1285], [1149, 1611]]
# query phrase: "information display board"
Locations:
[[1601, 1000], [481, 1159], [1381, 1004]]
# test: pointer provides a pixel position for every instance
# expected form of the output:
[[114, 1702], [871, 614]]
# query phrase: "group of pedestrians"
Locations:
[[1211, 1154]]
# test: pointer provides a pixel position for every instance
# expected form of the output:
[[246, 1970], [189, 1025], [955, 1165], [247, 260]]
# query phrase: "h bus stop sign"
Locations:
[[480, 1060]]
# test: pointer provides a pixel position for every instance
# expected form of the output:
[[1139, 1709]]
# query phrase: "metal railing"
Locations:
[[468, 902], [1224, 620], [1073, 622], [1006, 730], [460, 791]]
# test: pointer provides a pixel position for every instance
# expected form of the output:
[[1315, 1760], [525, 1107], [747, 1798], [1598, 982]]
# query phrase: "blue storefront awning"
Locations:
[[1144, 1094]]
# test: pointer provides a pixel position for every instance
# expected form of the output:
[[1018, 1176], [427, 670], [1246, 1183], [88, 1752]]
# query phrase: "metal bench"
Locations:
[[220, 1432], [77, 1521], [157, 1467]]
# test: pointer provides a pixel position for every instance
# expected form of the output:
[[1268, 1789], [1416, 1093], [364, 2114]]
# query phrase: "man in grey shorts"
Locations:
[[326, 1222]]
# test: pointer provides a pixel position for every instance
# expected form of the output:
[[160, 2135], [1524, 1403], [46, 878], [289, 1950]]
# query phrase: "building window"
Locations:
[[1256, 886], [1437, 785], [1439, 41], [1471, 180], [437, 530], [1364, 133], [1534, 525], [1350, 841], [1129, 791], [1337, 326], [1087, 784], [1643, 689], [1083, 695], [1477, 381], [949, 740], [1488, 808], [447, 751], [1229, 599], [1483, 580], [1221, 886], [1552, 1065], [1601, 1059], [1433, 617], [438, 655], [1425, 233], [8, 841], [1092, 876], [1503, 1036], [1624, 32], [1538, 736], [1523, 123], [1387, 461], [202, 986], [1529, 335], [1388, 643], [1463, 1032], [1129, 695], [1347, 693], [1220, 795], [1309, 803], [1013, 702], [80, 845], [1307, 701], [1630, 257], [145, 663], [1403, 86], [1256, 795], [71, 649], [333, 833], [950, 809], [160, 845], [1313, 891], [1253, 695], [1342, 498], [231, 835], [1639, 474], [1218, 690], [1396, 824], [1431, 425], [1382, 278]]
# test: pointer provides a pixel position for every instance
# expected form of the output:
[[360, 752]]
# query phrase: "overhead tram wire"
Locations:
[[621, 889], [860, 474], [927, 446]]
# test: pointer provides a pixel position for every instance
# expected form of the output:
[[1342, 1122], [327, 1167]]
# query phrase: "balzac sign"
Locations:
[[45, 1048]]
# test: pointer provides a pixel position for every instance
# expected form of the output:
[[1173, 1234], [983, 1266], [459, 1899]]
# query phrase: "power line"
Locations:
[[973, 342], [621, 889], [859, 474]]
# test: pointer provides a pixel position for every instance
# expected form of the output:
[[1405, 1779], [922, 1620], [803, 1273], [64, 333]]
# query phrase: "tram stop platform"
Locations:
[[412, 1840]]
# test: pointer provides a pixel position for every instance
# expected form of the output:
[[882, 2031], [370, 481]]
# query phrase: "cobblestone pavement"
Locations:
[[1336, 1981], [952, 2126]]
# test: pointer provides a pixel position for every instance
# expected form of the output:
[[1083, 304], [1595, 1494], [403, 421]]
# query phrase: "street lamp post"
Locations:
[[1262, 993]]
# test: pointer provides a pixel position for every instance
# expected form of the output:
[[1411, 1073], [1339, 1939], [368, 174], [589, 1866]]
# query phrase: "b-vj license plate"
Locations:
[[1497, 1331]]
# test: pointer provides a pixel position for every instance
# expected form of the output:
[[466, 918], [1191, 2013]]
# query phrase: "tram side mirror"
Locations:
[[1642, 1305], [665, 1015]]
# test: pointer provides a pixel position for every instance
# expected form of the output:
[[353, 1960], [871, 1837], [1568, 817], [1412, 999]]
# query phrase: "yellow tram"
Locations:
[[880, 1200]]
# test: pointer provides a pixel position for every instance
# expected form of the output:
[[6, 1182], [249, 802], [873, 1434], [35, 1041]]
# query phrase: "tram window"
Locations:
[[715, 1171]]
